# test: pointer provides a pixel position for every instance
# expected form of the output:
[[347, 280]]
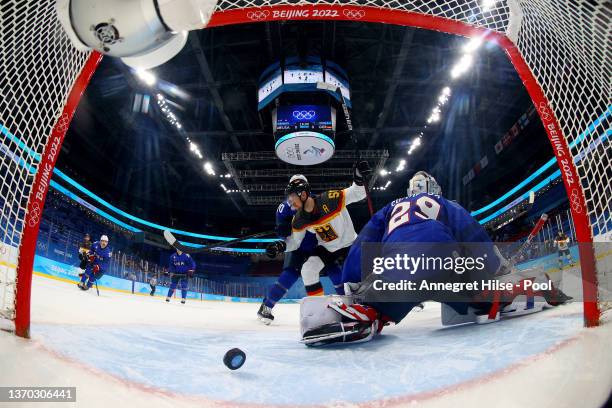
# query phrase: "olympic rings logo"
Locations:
[[575, 201], [544, 111], [258, 15], [62, 123], [304, 114], [354, 14], [34, 215]]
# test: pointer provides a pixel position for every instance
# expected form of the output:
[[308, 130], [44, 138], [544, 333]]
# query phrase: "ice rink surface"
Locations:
[[140, 351]]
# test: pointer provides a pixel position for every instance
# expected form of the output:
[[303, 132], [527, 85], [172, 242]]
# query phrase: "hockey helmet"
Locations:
[[298, 186], [298, 177]]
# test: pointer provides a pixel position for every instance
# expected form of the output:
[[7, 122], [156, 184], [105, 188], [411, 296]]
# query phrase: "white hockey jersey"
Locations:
[[330, 221]]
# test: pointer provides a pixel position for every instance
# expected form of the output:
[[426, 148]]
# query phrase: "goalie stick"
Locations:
[[208, 248]]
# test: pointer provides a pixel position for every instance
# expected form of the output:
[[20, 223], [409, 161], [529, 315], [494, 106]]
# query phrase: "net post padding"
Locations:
[[559, 143], [36, 200]]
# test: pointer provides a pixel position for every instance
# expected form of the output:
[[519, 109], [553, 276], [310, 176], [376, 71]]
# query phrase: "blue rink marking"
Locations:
[[279, 370]]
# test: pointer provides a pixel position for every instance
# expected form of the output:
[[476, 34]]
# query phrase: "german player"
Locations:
[[293, 261], [327, 217], [562, 243], [84, 248]]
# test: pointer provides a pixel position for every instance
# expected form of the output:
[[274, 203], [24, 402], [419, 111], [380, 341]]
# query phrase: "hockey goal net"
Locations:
[[560, 48]]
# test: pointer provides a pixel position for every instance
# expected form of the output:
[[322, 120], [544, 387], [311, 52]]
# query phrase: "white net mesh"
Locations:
[[566, 44], [38, 67]]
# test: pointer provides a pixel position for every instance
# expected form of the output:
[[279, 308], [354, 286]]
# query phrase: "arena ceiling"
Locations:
[[142, 163]]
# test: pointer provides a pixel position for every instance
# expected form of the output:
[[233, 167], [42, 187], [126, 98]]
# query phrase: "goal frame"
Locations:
[[327, 12]]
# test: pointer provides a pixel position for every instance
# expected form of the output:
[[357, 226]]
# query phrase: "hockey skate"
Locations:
[[265, 314], [183, 301]]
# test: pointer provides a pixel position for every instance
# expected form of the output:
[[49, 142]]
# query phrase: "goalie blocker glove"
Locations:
[[275, 248], [361, 172]]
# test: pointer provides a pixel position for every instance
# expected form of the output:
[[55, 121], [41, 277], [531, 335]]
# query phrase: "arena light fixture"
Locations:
[[473, 44], [209, 168], [401, 166], [415, 143], [462, 66], [146, 77]]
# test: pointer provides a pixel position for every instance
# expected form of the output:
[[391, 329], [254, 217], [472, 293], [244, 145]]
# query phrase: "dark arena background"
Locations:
[[138, 123]]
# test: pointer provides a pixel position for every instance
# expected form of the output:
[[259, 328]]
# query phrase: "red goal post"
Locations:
[[557, 47]]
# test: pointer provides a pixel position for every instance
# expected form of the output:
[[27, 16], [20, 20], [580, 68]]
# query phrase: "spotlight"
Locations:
[[146, 77]]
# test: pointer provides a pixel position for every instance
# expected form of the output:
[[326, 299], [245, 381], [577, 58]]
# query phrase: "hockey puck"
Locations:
[[234, 359]]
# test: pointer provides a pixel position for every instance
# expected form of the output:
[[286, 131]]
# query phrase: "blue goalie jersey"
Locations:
[[423, 218]]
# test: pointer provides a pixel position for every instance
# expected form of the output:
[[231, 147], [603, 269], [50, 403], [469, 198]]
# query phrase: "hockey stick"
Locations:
[[97, 290], [349, 125], [368, 198], [208, 248], [536, 229], [492, 316]]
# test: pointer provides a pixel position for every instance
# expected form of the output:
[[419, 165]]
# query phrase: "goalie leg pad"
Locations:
[[315, 313], [349, 332]]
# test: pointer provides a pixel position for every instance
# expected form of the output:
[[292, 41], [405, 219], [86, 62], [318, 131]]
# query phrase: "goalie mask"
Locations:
[[423, 182]]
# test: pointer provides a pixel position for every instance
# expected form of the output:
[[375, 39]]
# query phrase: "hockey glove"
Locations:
[[361, 172], [91, 257], [275, 248], [95, 269]]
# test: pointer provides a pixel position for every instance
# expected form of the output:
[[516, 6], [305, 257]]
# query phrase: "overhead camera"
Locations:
[[143, 33]]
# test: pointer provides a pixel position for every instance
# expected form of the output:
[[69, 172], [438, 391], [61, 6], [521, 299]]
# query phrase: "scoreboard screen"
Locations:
[[317, 118], [271, 84]]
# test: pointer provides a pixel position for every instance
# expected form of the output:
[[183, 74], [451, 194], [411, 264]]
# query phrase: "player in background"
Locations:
[[98, 258], [293, 261], [153, 285], [325, 216], [84, 248], [181, 268], [422, 217], [562, 243]]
